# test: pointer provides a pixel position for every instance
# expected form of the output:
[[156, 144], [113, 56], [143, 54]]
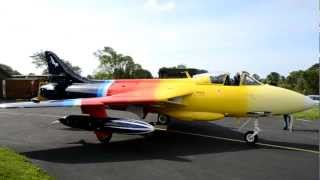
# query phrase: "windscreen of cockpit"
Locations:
[[219, 79], [249, 80]]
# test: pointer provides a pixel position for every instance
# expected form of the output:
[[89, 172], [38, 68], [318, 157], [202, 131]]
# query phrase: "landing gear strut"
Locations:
[[251, 137], [103, 136]]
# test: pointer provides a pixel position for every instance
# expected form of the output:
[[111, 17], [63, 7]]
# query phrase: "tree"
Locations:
[[293, 77], [311, 78], [303, 81], [39, 59], [282, 81], [273, 78], [178, 71], [315, 67], [102, 75], [8, 70], [181, 66], [118, 66], [90, 76], [256, 76], [142, 74], [301, 86]]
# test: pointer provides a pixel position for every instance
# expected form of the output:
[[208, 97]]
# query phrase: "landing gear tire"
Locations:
[[163, 119], [103, 136], [250, 138]]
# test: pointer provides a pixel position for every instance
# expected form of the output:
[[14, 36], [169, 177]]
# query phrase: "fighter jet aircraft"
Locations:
[[204, 97]]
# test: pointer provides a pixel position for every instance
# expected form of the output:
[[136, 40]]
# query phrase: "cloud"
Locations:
[[160, 6]]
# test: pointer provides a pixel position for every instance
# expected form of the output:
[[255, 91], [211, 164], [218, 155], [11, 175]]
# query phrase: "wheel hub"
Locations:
[[163, 119], [250, 138]]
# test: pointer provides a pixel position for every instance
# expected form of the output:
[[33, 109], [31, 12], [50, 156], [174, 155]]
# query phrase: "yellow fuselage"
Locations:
[[214, 101]]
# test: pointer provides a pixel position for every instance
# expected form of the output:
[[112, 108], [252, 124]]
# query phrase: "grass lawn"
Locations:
[[311, 114], [15, 166]]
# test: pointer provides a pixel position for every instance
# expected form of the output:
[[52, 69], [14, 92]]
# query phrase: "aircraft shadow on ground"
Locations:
[[162, 145]]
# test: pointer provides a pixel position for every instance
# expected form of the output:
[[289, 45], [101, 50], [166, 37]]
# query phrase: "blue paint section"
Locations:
[[68, 102], [52, 103], [103, 88]]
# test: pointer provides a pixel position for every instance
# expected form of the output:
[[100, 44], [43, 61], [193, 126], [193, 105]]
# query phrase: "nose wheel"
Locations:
[[251, 137]]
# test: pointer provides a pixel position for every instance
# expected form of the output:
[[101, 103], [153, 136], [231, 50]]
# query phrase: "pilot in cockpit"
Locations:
[[236, 79]]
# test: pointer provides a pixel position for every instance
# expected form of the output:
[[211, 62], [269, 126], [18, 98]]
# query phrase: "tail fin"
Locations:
[[57, 68]]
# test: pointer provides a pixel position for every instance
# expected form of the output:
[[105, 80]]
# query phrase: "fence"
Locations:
[[19, 88]]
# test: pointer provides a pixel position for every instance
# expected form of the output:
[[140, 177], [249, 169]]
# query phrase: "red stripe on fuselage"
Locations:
[[134, 87]]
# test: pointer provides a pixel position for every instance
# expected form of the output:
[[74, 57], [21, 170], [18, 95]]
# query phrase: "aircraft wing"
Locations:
[[133, 97]]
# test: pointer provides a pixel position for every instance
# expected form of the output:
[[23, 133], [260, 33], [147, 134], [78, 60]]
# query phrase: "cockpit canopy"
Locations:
[[224, 79]]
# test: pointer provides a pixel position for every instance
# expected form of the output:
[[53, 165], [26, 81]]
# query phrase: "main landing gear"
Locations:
[[103, 136], [162, 122], [251, 137], [163, 119]]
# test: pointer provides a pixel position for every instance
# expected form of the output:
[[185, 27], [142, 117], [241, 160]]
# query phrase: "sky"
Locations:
[[216, 35]]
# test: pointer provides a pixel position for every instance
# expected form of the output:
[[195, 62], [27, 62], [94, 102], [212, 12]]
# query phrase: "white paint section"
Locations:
[[3, 106], [77, 102], [106, 88], [309, 103]]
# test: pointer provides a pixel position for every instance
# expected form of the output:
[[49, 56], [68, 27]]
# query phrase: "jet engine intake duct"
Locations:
[[115, 125]]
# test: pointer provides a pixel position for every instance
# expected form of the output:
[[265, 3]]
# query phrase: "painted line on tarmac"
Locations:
[[304, 120], [241, 141], [289, 148]]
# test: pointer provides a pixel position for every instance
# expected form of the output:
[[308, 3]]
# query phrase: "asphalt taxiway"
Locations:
[[198, 150]]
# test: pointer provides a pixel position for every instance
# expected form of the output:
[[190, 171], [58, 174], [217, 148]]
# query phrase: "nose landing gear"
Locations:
[[251, 137]]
